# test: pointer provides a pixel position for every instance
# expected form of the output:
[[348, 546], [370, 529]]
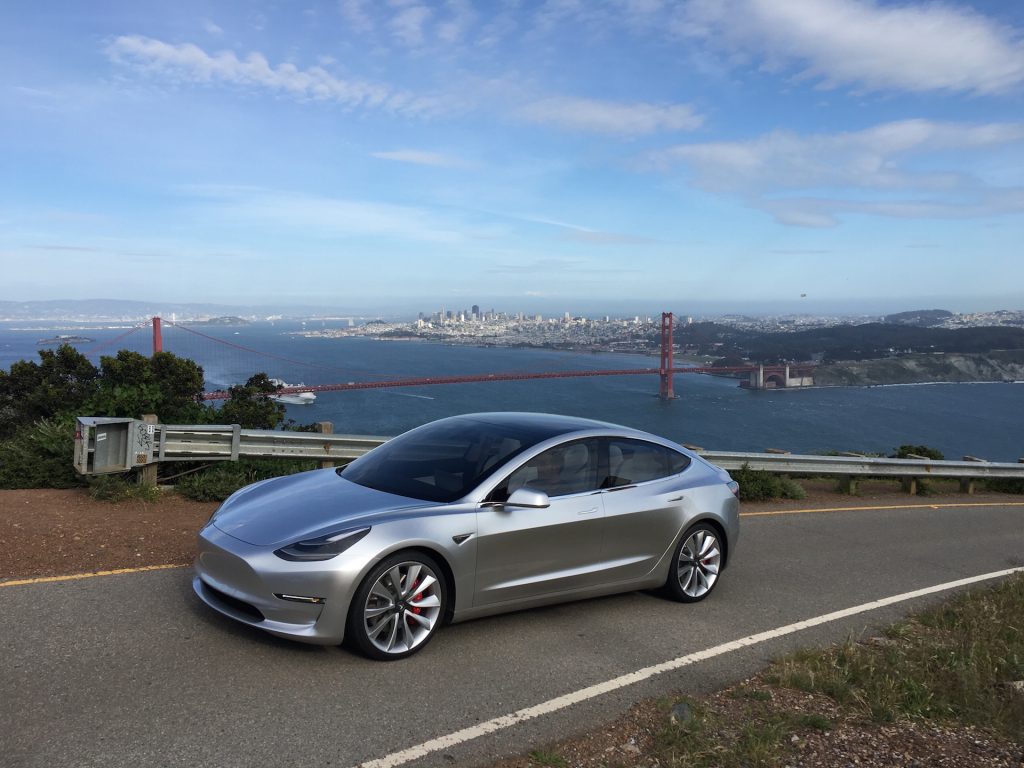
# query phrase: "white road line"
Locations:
[[562, 702]]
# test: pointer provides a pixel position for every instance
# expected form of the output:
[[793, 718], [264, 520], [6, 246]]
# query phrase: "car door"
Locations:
[[644, 503], [523, 552]]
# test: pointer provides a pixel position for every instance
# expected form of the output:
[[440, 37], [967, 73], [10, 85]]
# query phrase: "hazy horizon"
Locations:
[[547, 307]]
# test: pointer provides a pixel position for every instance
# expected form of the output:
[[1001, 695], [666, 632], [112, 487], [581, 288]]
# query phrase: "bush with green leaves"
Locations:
[[219, 481], [131, 384], [61, 382], [251, 406], [1005, 485], [759, 485], [40, 400], [115, 488], [40, 455], [905, 451]]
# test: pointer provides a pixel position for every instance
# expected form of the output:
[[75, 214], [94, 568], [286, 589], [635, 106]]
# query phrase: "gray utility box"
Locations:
[[107, 445]]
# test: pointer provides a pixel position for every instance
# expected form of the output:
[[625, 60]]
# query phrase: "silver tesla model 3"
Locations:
[[467, 517]]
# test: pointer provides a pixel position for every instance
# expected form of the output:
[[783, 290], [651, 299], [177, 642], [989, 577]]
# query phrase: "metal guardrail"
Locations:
[[230, 442], [851, 466], [109, 445], [106, 445]]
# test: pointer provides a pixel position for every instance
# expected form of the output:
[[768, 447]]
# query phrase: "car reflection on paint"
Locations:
[[466, 517]]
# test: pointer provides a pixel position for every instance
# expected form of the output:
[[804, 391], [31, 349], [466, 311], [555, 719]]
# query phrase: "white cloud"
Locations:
[[611, 118], [325, 217], [190, 62], [407, 25], [420, 157], [913, 47], [580, 233], [211, 28], [454, 28], [355, 15], [784, 173]]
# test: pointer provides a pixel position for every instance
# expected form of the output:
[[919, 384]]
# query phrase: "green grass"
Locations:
[[949, 663], [550, 759], [757, 739], [114, 488]]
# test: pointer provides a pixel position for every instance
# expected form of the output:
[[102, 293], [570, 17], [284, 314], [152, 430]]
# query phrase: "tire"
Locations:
[[696, 565], [398, 607]]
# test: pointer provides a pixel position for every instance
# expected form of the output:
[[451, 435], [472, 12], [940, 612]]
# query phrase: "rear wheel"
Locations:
[[398, 606], [696, 565]]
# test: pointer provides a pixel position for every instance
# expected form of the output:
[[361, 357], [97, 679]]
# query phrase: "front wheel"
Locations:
[[696, 565], [398, 606]]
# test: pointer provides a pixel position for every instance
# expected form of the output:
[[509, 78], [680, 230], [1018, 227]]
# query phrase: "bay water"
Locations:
[[984, 420]]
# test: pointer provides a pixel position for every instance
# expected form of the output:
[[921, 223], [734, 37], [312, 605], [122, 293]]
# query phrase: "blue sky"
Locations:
[[730, 154]]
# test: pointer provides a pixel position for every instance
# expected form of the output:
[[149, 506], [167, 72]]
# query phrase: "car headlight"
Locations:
[[322, 547]]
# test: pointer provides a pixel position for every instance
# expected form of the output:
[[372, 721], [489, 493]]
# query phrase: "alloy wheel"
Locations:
[[403, 608], [700, 558]]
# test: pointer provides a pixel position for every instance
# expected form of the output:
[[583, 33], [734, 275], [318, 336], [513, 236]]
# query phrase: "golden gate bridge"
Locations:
[[761, 376]]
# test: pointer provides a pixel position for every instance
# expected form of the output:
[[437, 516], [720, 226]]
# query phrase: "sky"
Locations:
[[771, 155]]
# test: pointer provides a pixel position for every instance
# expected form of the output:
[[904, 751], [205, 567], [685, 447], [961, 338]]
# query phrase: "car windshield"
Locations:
[[445, 460]]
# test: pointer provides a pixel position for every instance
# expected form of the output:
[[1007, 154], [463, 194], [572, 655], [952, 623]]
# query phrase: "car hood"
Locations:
[[286, 509]]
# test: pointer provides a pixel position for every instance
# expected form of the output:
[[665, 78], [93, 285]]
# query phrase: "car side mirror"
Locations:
[[528, 497]]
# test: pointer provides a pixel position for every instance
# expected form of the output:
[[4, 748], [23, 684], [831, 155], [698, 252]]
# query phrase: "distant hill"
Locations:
[[103, 309], [224, 320], [846, 342], [100, 310], [920, 318]]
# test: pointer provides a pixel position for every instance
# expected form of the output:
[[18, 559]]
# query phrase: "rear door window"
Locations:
[[632, 461]]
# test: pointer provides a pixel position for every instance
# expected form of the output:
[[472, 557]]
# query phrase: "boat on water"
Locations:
[[291, 398], [65, 338]]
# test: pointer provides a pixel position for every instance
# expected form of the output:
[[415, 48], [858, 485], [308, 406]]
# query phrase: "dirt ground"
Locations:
[[56, 533], [60, 532]]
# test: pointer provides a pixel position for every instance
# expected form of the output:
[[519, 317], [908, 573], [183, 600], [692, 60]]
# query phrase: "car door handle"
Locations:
[[675, 498], [590, 511]]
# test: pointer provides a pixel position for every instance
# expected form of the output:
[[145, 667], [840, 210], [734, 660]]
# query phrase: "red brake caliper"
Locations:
[[415, 599]]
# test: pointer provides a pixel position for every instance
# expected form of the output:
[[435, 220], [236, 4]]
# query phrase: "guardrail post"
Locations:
[[147, 474], [909, 485], [848, 485], [325, 428], [967, 483]]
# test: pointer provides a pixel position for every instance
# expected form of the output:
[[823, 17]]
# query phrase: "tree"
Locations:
[[62, 382], [165, 384], [251, 406], [917, 450]]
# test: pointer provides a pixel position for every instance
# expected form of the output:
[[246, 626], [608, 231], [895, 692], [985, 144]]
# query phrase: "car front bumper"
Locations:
[[247, 582]]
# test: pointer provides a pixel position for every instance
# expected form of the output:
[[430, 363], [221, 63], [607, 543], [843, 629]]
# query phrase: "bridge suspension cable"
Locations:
[[91, 350], [271, 355]]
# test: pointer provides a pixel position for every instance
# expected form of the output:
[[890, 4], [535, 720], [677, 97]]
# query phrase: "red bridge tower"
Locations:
[[665, 371]]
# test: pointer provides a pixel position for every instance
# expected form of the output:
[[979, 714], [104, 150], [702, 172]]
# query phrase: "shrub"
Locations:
[[40, 456], [61, 382], [918, 450], [218, 482], [251, 406], [791, 489], [131, 384], [759, 485], [1005, 485], [115, 488]]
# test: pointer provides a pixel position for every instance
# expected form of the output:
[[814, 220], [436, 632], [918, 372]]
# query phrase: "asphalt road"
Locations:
[[131, 670]]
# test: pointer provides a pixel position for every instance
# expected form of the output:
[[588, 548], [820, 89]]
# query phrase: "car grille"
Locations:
[[246, 609]]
